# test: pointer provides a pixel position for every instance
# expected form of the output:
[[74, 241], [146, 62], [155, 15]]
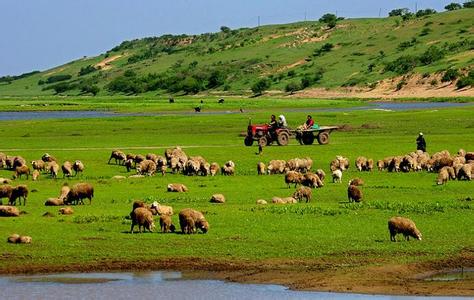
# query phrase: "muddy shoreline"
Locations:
[[345, 276]]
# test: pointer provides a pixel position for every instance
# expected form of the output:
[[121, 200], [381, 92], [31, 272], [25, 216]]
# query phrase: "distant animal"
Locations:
[[190, 220], [221, 100], [118, 156], [197, 109], [177, 187], [19, 192], [79, 192], [303, 192], [337, 176], [354, 193], [78, 167], [21, 170], [166, 224], [171, 100], [142, 217], [404, 226]]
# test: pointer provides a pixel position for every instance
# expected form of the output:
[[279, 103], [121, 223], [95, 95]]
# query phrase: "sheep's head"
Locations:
[[203, 225], [417, 234]]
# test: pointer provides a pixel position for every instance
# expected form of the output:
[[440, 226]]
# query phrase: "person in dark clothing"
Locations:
[[273, 126], [309, 123], [420, 142]]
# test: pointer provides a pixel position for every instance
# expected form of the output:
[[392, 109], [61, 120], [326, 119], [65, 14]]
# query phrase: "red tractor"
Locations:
[[265, 136]]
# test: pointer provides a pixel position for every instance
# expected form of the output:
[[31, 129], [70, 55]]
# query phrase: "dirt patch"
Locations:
[[351, 272], [105, 64]]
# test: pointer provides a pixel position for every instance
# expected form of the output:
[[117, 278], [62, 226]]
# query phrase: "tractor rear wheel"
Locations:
[[323, 138], [263, 141], [282, 138], [248, 141], [308, 138]]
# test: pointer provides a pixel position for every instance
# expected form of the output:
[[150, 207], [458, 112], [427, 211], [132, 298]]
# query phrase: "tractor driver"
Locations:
[[273, 126]]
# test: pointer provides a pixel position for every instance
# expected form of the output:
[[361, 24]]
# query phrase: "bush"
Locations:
[[452, 6], [407, 44], [425, 31], [401, 84], [292, 87], [398, 12], [327, 47], [291, 73], [402, 65], [327, 18], [468, 4], [61, 87], [92, 89], [431, 55], [425, 12], [260, 86], [57, 78], [467, 80], [86, 70], [450, 75], [225, 29]]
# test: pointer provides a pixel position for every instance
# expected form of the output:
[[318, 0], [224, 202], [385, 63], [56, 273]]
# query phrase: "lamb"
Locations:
[[118, 155], [19, 192], [48, 158], [146, 167], [321, 174], [276, 167], [404, 226], [66, 211], [303, 192], [54, 202], [9, 211], [177, 188], [166, 224], [78, 167], [190, 220], [337, 176], [53, 169], [38, 165], [360, 163], [159, 209], [356, 182], [142, 217], [79, 192], [35, 175], [228, 168], [217, 198], [293, 177], [214, 169], [312, 180], [469, 156], [13, 239], [260, 168], [354, 194], [67, 169], [21, 170]]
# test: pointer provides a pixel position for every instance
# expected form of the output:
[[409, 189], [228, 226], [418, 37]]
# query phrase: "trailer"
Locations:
[[321, 134]]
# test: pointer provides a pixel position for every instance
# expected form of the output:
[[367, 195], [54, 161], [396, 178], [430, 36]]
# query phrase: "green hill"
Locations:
[[304, 55]]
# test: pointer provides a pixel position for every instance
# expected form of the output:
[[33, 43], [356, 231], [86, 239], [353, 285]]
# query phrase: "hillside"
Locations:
[[387, 55]]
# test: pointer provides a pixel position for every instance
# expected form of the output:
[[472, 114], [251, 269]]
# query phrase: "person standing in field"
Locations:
[[420, 142]]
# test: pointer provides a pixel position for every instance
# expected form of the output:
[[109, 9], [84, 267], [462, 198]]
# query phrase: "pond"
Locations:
[[156, 285]]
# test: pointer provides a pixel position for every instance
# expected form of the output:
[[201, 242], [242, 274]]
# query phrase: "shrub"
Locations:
[[225, 29], [61, 87], [450, 75], [402, 65], [355, 81], [260, 86], [57, 78], [425, 12], [291, 73], [92, 89], [292, 87], [452, 6], [467, 80], [329, 19], [468, 4], [324, 49], [370, 67], [431, 55], [401, 84], [398, 12], [407, 44], [86, 70], [425, 31]]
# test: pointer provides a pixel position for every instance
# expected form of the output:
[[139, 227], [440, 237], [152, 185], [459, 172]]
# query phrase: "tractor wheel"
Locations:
[[323, 138], [282, 138], [308, 138], [299, 137], [248, 141], [263, 141]]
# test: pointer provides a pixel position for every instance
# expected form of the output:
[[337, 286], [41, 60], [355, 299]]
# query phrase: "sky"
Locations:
[[41, 34]]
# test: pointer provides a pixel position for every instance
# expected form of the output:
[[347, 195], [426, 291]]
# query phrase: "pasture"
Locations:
[[327, 229]]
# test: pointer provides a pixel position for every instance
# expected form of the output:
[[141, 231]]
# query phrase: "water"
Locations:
[[386, 106], [156, 285]]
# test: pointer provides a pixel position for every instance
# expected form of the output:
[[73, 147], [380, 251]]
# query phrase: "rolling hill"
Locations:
[[384, 55]]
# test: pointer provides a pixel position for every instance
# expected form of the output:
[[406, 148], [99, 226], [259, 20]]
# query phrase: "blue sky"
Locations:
[[40, 34]]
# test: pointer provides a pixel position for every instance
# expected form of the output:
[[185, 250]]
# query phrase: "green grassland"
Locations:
[[361, 51], [328, 228]]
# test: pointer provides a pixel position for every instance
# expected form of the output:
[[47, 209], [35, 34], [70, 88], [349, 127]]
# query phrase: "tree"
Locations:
[[225, 29], [398, 12], [425, 12], [453, 6], [190, 85], [468, 4], [93, 89], [329, 19], [260, 86], [292, 87]]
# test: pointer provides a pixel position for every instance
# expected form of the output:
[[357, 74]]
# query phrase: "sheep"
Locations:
[[451, 172], [394, 165], [214, 169], [312, 180], [175, 165], [139, 158], [177, 187], [166, 224], [192, 167], [5, 180], [205, 169], [217, 198], [21, 170], [158, 209], [146, 167], [54, 202], [370, 165], [13, 239], [469, 156], [118, 155], [276, 167], [260, 168], [356, 182], [380, 165], [38, 165], [48, 158], [79, 192], [293, 177], [177, 153], [53, 169], [360, 163], [261, 202], [404, 226], [152, 156], [18, 161], [35, 175], [228, 168], [340, 162], [299, 164], [161, 164], [321, 174], [465, 172], [303, 192], [17, 239], [142, 217], [67, 169], [9, 211], [408, 164], [5, 191], [459, 160], [129, 164], [3, 157], [78, 167], [462, 152], [354, 194], [190, 220], [64, 191], [18, 192], [66, 211], [337, 176], [286, 200], [130, 156]]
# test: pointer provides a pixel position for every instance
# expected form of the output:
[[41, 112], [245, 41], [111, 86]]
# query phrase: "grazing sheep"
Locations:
[[404, 226], [228, 168], [462, 152], [78, 167], [190, 220], [465, 173], [354, 194], [54, 202], [48, 158], [152, 156], [369, 166], [21, 170], [380, 165], [312, 180], [276, 167], [394, 165], [356, 182], [118, 155], [38, 165], [360, 163], [67, 169], [261, 202], [64, 191], [53, 169], [3, 157], [337, 176], [129, 164], [146, 167], [340, 162], [451, 172], [79, 192], [66, 211], [166, 224], [142, 217], [299, 164], [177, 187], [130, 156], [35, 175], [217, 198], [260, 168], [303, 192], [19, 192], [158, 209], [161, 164], [9, 211], [469, 156], [192, 167], [139, 158], [293, 177], [321, 174], [18, 161], [214, 169], [175, 165], [5, 192]]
